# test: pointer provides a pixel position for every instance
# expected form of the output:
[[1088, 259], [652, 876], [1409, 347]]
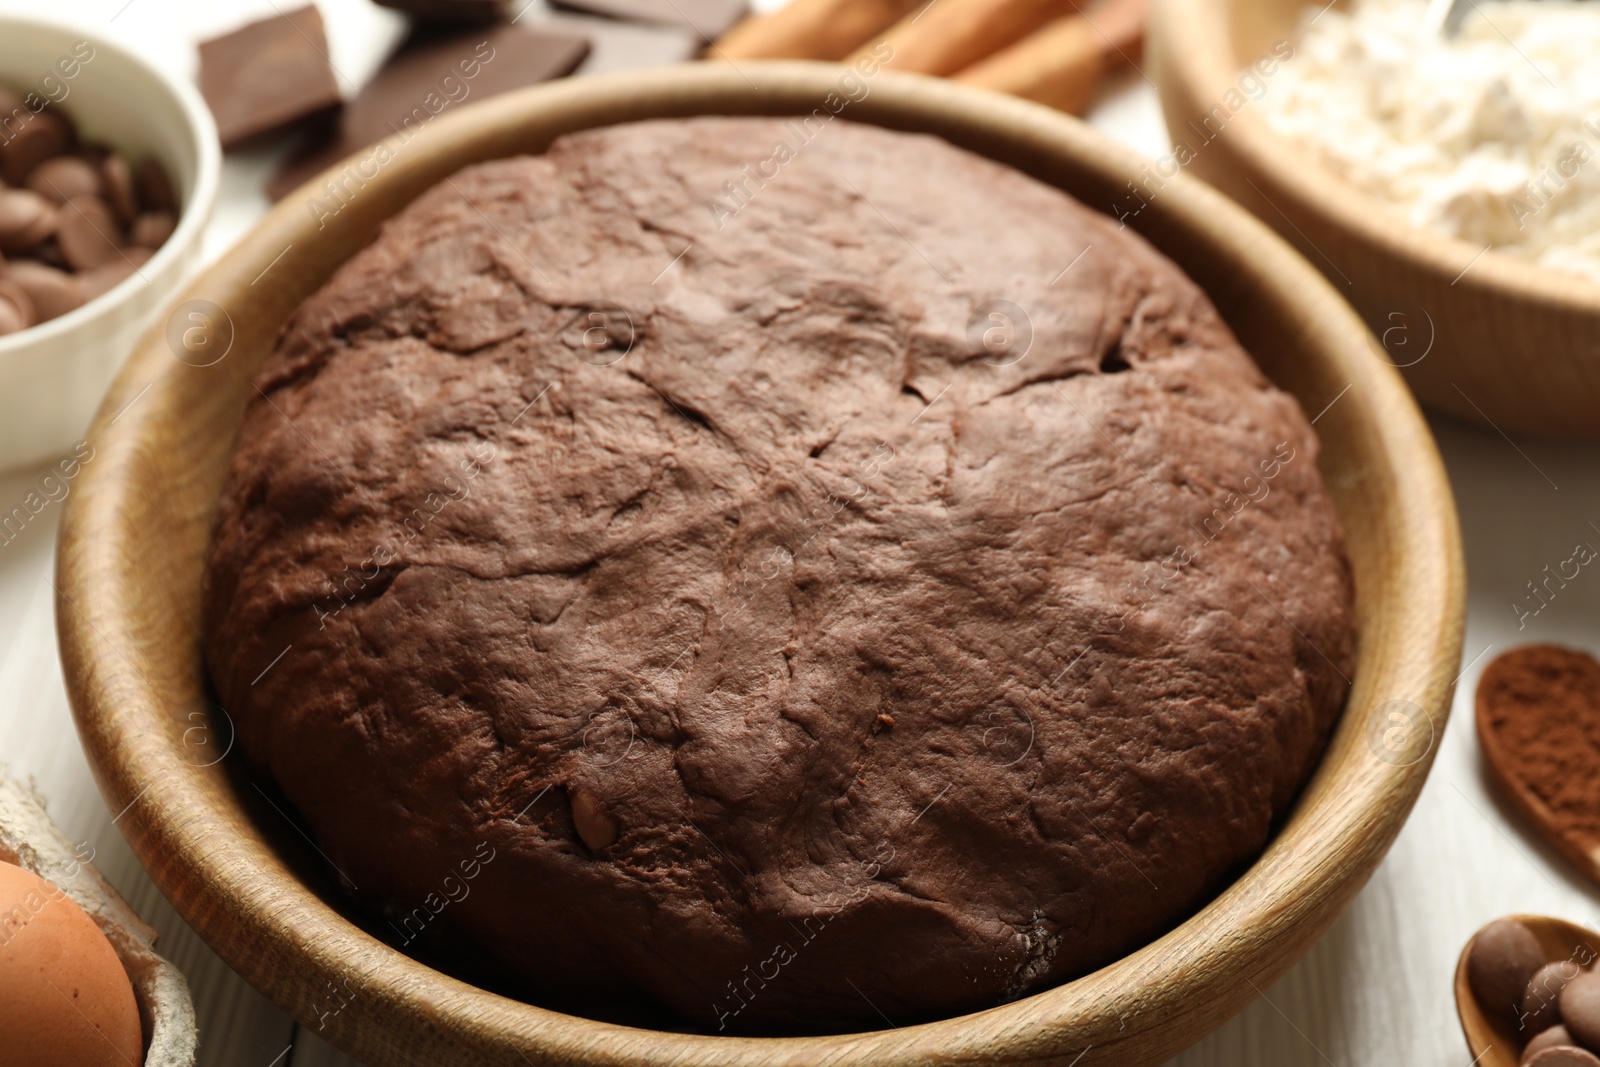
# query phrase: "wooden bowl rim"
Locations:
[[1320, 858], [1194, 41]]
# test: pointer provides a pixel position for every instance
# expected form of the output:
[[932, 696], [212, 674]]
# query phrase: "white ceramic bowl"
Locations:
[[53, 375]]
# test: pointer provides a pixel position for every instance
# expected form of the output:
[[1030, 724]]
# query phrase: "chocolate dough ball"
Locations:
[[813, 615]]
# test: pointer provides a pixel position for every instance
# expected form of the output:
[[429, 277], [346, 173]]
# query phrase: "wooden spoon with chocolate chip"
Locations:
[[1525, 988]]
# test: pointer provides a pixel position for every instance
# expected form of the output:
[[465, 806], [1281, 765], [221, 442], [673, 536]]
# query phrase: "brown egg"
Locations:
[[65, 1000]]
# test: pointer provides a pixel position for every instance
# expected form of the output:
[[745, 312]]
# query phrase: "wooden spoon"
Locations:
[[1574, 679], [1492, 1038]]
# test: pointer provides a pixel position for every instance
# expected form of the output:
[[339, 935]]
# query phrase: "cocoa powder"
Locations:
[[1538, 714]]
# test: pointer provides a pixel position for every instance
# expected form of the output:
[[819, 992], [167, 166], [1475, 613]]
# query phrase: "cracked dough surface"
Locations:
[[776, 654]]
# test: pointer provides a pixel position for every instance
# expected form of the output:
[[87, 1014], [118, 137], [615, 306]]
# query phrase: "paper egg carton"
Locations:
[[31, 840]]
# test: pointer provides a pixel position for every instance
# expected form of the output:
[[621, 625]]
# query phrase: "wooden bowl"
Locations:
[[1484, 336], [130, 562]]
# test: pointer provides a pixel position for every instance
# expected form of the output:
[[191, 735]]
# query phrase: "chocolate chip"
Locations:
[[49, 253], [104, 279], [53, 292], [108, 275], [1564, 1056], [41, 136], [119, 187], [64, 177], [155, 188], [1580, 1008], [1505, 955], [595, 825], [88, 232], [71, 217], [152, 229], [1541, 1001], [26, 219], [11, 319], [16, 310], [1555, 1037]]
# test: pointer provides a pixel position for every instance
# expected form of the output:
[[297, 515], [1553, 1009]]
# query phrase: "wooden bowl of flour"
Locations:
[[133, 540], [1484, 336]]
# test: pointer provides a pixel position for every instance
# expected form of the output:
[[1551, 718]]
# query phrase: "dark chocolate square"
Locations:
[[434, 74], [268, 76]]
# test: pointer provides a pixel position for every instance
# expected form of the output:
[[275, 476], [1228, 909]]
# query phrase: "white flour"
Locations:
[[1493, 137]]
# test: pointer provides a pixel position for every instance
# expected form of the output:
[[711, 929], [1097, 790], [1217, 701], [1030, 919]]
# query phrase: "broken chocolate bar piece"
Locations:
[[433, 75], [268, 76]]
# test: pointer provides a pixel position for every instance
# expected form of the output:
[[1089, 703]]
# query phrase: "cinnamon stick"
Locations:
[[945, 36], [811, 29], [1062, 64]]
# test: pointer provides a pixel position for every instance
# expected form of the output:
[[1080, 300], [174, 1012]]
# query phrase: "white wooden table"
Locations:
[[1376, 990]]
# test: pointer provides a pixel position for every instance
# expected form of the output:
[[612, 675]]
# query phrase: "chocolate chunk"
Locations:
[[1505, 956], [118, 180], [64, 177], [1564, 1056], [709, 19], [34, 138], [152, 229], [458, 11], [594, 823], [1541, 1008], [88, 232], [155, 188], [53, 292], [433, 75], [26, 219], [16, 309], [1555, 1037], [268, 76], [1580, 1008]]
